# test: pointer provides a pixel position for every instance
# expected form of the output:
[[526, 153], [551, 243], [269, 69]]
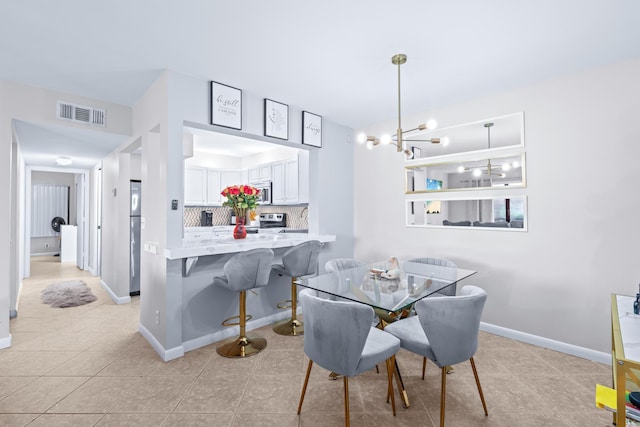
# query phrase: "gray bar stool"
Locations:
[[243, 271], [300, 260]]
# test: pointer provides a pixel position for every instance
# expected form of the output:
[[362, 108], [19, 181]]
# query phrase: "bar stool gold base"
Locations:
[[289, 327], [241, 346]]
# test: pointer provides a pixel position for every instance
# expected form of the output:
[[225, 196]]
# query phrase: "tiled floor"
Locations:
[[87, 365]]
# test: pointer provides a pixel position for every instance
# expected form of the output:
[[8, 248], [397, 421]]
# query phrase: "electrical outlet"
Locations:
[[46, 245]]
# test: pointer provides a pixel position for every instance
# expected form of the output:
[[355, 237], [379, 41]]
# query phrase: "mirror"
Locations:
[[504, 131], [506, 171], [494, 213]]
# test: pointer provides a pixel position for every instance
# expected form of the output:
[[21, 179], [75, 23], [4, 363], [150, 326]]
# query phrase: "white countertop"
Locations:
[[224, 243]]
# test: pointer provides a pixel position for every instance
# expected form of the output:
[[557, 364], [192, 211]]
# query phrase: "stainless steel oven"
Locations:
[[265, 195]]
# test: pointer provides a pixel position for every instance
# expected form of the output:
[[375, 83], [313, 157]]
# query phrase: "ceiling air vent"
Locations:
[[80, 114]]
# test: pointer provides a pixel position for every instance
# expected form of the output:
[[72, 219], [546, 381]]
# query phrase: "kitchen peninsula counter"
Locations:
[[219, 245], [199, 307]]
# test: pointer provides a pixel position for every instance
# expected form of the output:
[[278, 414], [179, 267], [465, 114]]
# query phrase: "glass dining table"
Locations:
[[391, 288]]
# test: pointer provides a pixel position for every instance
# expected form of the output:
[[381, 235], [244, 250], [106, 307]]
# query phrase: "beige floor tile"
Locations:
[[309, 419], [218, 365], [221, 394], [40, 394], [265, 420], [98, 395], [279, 362], [16, 420], [87, 363], [132, 420], [532, 419], [191, 364], [200, 420], [66, 420], [32, 363], [271, 394], [594, 418], [133, 364], [154, 395], [11, 384]]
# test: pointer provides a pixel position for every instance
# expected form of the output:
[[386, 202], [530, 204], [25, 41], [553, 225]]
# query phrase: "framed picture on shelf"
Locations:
[[276, 119], [226, 106], [311, 129]]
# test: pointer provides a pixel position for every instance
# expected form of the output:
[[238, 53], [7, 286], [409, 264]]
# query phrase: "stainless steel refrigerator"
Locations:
[[134, 263]]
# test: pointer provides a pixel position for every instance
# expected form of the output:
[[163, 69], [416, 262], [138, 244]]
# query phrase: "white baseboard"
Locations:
[[5, 342], [118, 300], [574, 350], [166, 355], [91, 271], [230, 332]]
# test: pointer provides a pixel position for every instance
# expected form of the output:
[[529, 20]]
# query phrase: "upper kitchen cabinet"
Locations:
[[195, 186], [214, 187], [260, 173], [290, 180]]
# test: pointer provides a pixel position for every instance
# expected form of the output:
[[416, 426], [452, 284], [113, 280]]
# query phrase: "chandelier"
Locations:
[[490, 169], [397, 138]]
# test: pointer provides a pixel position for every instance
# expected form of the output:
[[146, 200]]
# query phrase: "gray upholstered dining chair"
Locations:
[[339, 337], [349, 270], [300, 260], [244, 271], [446, 331], [445, 269]]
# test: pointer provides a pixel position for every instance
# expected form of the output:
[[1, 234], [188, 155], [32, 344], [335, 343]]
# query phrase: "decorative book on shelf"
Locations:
[[606, 399]]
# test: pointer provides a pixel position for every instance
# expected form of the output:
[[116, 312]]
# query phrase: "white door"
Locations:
[[80, 219]]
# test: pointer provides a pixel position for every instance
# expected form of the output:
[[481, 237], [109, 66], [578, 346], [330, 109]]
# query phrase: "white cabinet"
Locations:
[[202, 186], [195, 185], [230, 177], [284, 180], [214, 187], [260, 173]]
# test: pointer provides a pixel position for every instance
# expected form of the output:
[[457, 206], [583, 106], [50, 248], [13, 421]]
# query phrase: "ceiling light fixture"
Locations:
[[63, 161], [490, 169], [397, 139]]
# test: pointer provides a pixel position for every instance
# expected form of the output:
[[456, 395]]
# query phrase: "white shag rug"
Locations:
[[67, 294]]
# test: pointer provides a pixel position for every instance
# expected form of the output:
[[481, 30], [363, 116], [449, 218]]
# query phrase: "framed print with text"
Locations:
[[311, 129], [226, 106], [276, 119]]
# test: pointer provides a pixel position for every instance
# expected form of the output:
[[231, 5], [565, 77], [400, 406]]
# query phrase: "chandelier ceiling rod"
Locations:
[[398, 60]]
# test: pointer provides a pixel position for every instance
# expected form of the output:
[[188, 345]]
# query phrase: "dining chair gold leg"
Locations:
[[475, 374], [304, 387], [390, 367], [346, 401], [443, 391], [424, 366]]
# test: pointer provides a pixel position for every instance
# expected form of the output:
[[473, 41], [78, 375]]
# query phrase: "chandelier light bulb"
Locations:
[[515, 164], [445, 141], [385, 139], [460, 169], [477, 172], [362, 138], [506, 167], [409, 154], [370, 145], [432, 124]]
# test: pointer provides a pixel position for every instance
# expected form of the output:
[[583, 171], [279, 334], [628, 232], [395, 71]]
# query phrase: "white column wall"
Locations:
[[555, 280]]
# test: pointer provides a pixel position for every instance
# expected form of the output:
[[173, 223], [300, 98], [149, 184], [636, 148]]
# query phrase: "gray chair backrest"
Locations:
[[302, 259], [247, 270], [452, 324], [443, 269], [335, 332], [347, 268]]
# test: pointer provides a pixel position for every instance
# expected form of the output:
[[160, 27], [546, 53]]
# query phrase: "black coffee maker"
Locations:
[[206, 218]]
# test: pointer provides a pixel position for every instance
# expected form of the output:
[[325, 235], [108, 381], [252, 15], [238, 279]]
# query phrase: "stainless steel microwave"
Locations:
[[265, 193]]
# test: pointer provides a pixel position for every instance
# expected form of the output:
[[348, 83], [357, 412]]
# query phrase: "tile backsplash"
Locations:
[[296, 215]]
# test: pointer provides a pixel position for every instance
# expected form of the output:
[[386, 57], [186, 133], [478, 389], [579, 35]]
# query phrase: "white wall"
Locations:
[[555, 280]]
